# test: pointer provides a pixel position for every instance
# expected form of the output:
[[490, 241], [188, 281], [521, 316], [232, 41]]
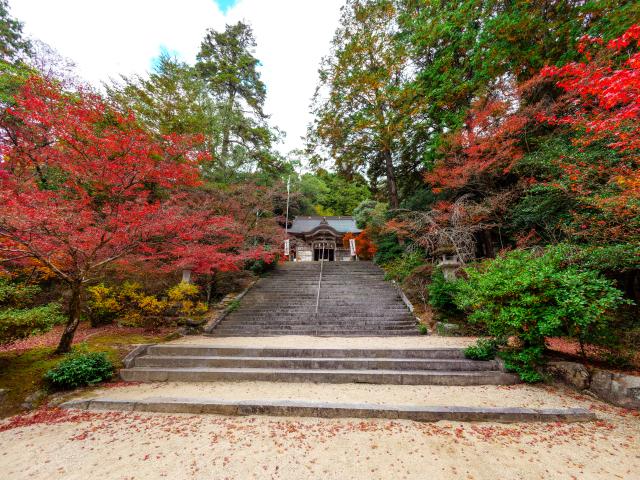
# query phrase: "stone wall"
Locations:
[[618, 388]]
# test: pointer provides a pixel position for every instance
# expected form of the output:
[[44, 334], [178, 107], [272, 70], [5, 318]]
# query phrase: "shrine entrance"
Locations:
[[324, 251]]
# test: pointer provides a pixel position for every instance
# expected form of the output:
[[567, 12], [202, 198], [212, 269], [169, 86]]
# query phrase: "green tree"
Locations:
[[13, 46], [360, 107], [14, 49], [332, 194], [171, 99], [227, 64]]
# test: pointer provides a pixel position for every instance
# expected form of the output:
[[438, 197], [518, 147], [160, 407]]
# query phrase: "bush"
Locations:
[[442, 293], [17, 323], [14, 294], [484, 349], [186, 296], [532, 296], [78, 370], [388, 249], [260, 267], [130, 305], [400, 268]]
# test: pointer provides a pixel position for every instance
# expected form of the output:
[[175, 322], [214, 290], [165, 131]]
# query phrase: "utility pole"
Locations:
[[286, 222]]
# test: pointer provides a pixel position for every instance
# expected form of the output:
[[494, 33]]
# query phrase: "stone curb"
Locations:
[[141, 349], [214, 323], [337, 410]]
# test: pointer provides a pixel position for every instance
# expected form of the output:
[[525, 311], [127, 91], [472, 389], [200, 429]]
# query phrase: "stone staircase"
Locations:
[[354, 300], [426, 366]]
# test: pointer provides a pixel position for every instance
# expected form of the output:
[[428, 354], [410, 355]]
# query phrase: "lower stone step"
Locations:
[[381, 377], [279, 352], [324, 363], [337, 410]]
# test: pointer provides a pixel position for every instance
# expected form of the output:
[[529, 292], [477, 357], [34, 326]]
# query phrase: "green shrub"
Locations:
[[78, 370], [233, 306], [422, 329], [260, 267], [532, 296], [442, 293], [17, 323], [400, 268], [388, 249], [484, 349], [15, 294]]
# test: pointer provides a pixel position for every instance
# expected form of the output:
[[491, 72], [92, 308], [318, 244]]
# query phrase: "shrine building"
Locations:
[[318, 236]]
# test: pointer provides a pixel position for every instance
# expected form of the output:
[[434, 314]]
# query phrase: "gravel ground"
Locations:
[[120, 445], [300, 341]]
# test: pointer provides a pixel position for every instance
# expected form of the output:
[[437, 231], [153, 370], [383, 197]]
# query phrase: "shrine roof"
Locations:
[[339, 224]]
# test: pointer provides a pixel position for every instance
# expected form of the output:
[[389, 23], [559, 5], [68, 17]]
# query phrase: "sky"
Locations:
[[106, 39]]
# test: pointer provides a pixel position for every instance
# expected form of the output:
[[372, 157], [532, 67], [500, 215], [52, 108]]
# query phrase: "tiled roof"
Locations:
[[340, 224]]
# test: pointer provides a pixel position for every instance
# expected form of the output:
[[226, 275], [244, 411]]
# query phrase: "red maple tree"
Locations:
[[365, 247], [82, 186], [606, 110], [488, 145]]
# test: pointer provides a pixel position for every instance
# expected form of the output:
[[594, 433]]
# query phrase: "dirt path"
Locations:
[[120, 445]]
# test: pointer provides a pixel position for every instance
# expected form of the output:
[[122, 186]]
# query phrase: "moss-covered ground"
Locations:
[[21, 372]]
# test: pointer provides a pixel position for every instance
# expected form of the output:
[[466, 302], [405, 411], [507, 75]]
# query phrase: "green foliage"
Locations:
[[17, 323], [371, 214], [531, 296], [12, 44], [360, 112], [260, 267], [332, 194], [227, 65], [16, 294], [388, 247], [442, 294], [233, 306], [524, 361], [400, 268], [422, 329], [545, 209], [484, 349], [79, 370]]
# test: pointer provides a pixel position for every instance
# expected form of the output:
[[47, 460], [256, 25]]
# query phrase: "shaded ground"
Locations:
[[119, 445], [22, 364]]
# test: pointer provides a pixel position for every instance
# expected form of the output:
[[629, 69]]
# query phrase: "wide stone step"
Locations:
[[358, 331], [312, 318], [409, 323], [205, 350], [292, 329], [390, 377], [316, 332], [176, 361], [284, 408]]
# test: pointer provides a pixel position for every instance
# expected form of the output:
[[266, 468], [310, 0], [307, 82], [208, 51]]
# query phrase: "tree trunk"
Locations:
[[226, 134], [391, 179], [488, 244], [73, 321]]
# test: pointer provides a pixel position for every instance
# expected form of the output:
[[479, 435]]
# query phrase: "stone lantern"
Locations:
[[449, 262]]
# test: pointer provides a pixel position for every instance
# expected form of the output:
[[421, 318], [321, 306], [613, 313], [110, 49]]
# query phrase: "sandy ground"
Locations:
[[121, 445], [300, 341], [55, 444], [485, 396]]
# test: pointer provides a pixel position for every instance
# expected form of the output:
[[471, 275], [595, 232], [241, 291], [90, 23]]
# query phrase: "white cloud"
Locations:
[[106, 39]]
